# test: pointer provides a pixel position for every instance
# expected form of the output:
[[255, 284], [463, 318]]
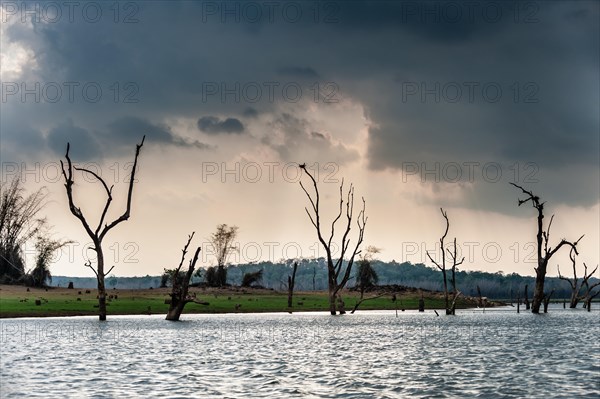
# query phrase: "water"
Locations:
[[366, 355]]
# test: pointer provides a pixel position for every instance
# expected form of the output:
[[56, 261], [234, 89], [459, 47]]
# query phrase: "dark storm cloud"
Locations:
[[129, 129], [84, 145], [250, 112], [372, 51], [298, 72], [214, 125]]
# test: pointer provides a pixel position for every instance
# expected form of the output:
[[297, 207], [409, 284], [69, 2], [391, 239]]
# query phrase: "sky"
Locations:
[[420, 105]]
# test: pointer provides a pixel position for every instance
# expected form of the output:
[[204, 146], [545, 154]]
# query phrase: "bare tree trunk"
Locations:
[[481, 302], [446, 303], [589, 296], [538, 295], [332, 308], [175, 310], [547, 301], [526, 297], [340, 305], [518, 301], [101, 285], [574, 300], [291, 283], [455, 292]]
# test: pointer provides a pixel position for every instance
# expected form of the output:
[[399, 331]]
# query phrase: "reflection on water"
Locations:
[[371, 354]]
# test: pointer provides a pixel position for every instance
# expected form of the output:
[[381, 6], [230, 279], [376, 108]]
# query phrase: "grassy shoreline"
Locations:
[[16, 301]]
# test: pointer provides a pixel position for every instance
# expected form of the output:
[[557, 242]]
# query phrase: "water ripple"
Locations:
[[367, 355]]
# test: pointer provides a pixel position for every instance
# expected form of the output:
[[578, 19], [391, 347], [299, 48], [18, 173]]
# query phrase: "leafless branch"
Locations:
[[89, 264]]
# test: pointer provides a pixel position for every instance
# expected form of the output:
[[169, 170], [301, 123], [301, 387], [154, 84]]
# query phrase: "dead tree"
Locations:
[[450, 308], [590, 295], [544, 252], [336, 280], [179, 291], [98, 234], [526, 300], [547, 301], [291, 283], [576, 286], [481, 301], [455, 292], [421, 303]]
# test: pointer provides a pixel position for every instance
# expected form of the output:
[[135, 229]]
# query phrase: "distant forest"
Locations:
[[312, 275]]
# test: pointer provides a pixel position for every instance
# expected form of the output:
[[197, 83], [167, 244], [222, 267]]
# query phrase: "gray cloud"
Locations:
[[214, 125], [370, 52], [129, 129], [295, 141], [250, 112], [298, 72], [84, 144]]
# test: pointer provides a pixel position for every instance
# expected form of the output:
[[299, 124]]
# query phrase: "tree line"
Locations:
[[496, 285]]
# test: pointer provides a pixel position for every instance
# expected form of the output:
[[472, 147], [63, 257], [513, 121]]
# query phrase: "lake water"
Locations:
[[498, 353]]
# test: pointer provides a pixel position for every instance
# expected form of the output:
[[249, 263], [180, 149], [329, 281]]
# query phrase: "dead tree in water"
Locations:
[[576, 286], [547, 300], [450, 308], [98, 234], [336, 280], [481, 302], [526, 301], [179, 291], [291, 283], [544, 252], [589, 295]]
